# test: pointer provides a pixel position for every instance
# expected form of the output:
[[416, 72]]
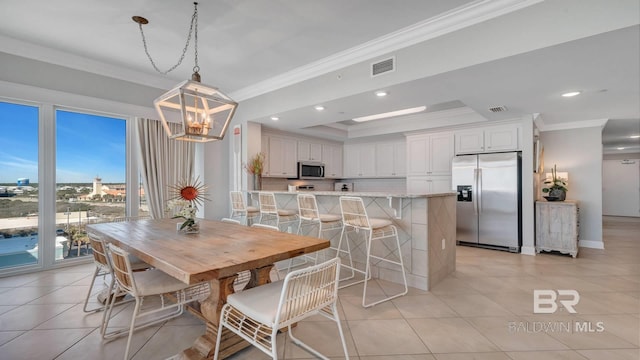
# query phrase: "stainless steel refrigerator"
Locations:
[[489, 202]]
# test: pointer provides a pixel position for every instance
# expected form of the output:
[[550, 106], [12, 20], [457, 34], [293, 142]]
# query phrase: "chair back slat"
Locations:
[[308, 290], [99, 252], [353, 212], [308, 207], [122, 268]]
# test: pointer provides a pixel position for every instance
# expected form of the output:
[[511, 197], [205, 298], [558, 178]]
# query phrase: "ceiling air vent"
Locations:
[[384, 66], [496, 109]]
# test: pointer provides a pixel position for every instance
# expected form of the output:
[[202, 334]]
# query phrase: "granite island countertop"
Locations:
[[363, 194]]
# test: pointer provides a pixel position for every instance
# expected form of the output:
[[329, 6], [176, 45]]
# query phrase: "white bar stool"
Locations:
[[354, 217], [309, 215], [239, 208], [269, 211]]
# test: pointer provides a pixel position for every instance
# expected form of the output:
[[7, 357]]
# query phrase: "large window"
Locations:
[[90, 175], [44, 209], [19, 240]]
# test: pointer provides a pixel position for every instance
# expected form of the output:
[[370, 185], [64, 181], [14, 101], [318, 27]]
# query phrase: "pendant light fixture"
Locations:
[[204, 111]]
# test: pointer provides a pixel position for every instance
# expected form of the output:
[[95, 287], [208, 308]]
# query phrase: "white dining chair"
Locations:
[[258, 313], [231, 221], [103, 270], [173, 295], [356, 220], [276, 268], [131, 218]]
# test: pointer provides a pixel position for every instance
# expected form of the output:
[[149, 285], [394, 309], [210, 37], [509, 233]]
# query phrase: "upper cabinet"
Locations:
[[429, 154], [309, 151], [332, 159], [489, 139], [282, 157], [359, 160], [283, 153], [375, 160], [391, 159]]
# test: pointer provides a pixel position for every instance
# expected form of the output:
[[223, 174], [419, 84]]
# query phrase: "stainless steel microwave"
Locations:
[[310, 170]]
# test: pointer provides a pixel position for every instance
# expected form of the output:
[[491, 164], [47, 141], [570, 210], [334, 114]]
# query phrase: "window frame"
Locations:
[[47, 181]]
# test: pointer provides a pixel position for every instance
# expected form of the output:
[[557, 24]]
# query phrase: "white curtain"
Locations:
[[164, 162]]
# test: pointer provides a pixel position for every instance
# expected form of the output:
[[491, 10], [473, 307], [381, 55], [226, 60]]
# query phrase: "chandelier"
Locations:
[[203, 111]]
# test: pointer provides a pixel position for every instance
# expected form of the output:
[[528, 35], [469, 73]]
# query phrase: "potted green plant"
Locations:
[[555, 187]]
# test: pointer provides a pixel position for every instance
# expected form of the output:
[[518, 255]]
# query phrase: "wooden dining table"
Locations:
[[216, 254]]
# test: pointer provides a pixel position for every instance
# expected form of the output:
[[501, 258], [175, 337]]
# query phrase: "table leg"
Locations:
[[204, 346]]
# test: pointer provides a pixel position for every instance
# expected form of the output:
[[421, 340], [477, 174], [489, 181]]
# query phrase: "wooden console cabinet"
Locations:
[[557, 226]]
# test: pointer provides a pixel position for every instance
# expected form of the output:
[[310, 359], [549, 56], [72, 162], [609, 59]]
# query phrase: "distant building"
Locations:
[[23, 182], [117, 191]]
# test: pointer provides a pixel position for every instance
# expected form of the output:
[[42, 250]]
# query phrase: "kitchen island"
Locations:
[[426, 227]]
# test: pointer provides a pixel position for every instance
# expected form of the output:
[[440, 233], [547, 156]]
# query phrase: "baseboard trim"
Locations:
[[528, 250], [591, 244]]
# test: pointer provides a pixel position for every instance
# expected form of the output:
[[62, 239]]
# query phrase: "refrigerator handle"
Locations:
[[479, 189], [474, 192]]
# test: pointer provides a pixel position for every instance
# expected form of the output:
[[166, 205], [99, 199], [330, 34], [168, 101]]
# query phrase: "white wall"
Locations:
[[215, 167], [579, 152]]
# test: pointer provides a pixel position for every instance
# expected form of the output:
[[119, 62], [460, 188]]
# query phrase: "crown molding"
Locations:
[[447, 22], [571, 125], [41, 53], [36, 96]]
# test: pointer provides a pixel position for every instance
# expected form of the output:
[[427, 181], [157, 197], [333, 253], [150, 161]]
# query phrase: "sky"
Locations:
[[86, 146]]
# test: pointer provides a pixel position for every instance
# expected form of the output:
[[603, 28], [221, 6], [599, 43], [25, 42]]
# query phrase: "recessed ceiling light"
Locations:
[[381, 93], [620, 148], [571, 93], [275, 118], [391, 114], [635, 136], [319, 107]]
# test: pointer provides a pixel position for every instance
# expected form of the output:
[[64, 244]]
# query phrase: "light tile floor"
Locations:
[[483, 311]]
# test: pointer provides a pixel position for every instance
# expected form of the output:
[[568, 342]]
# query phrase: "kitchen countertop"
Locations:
[[365, 194]]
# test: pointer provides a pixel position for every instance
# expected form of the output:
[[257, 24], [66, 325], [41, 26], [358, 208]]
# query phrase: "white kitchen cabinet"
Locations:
[[489, 139], [282, 157], [309, 151], [503, 138], [359, 160], [557, 226], [469, 141], [332, 159], [428, 184], [391, 159], [429, 154]]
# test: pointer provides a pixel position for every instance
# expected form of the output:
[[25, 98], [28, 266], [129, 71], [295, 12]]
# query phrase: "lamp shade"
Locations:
[[204, 111]]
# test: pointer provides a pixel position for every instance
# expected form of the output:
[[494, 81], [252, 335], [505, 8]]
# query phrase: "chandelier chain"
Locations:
[[194, 20], [196, 68]]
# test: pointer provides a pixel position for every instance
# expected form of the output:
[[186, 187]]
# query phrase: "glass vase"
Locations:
[[257, 182], [189, 229]]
